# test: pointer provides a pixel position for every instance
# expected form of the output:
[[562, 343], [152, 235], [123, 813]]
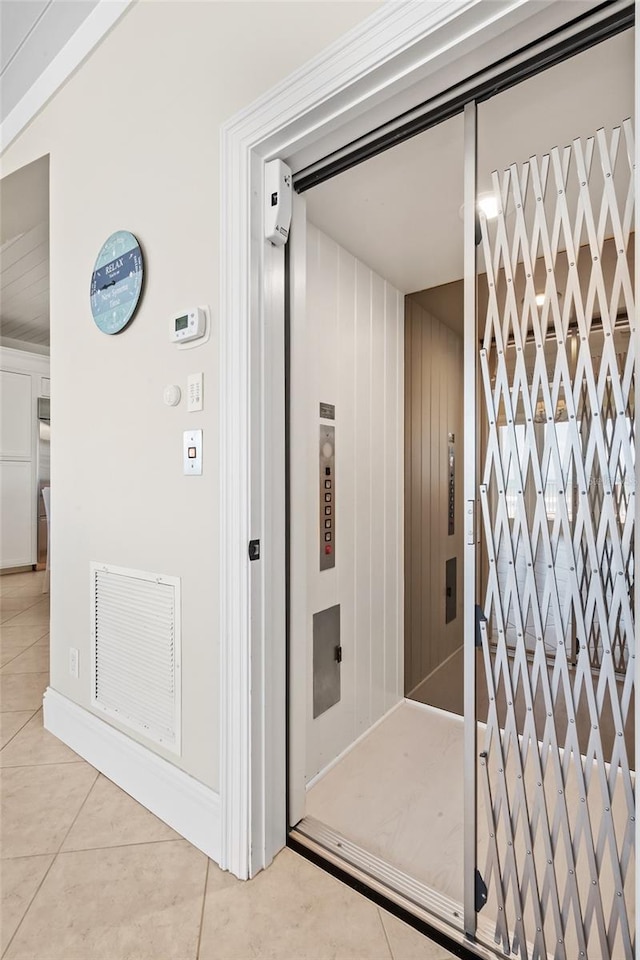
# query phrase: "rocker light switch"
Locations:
[[192, 453]]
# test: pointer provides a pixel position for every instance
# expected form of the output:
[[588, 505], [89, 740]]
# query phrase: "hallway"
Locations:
[[89, 874]]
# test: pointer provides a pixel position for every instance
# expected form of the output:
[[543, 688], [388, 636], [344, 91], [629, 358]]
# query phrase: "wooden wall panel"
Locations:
[[433, 409]]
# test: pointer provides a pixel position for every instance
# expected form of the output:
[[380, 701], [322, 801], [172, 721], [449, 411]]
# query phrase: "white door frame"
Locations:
[[367, 76]]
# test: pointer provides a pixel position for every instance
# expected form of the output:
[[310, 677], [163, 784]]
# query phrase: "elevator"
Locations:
[[462, 510]]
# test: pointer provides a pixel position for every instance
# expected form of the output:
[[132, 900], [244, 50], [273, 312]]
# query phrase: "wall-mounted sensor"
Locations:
[[277, 208], [172, 395], [190, 325]]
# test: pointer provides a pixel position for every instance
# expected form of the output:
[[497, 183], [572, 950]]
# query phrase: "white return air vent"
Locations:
[[136, 651]]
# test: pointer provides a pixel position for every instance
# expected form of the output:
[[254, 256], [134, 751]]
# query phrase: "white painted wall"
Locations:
[[133, 139], [350, 352]]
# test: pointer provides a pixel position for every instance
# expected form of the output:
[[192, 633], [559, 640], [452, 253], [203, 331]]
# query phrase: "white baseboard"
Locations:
[[191, 808]]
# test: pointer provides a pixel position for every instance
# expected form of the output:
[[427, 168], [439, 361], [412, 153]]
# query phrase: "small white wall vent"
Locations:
[[136, 651]]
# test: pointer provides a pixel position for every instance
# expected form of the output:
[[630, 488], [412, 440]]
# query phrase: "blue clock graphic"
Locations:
[[116, 282]]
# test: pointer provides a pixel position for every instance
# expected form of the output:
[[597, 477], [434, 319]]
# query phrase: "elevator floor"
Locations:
[[444, 689], [399, 794]]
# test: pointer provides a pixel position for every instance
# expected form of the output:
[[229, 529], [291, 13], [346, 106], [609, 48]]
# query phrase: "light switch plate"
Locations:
[[194, 392], [192, 453]]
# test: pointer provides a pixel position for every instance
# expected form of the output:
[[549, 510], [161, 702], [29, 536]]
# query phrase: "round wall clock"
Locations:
[[116, 283]]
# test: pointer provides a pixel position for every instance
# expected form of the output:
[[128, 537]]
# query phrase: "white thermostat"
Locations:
[[188, 326]]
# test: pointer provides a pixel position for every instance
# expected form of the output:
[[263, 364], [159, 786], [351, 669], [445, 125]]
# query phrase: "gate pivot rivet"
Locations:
[[633, 819], [571, 872], [548, 861], [595, 883], [528, 853], [619, 893]]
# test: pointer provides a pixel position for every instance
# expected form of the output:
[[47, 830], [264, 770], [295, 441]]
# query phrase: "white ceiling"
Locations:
[[400, 212], [32, 33], [24, 254]]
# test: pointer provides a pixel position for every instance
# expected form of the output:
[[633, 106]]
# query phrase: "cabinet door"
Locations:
[[16, 415], [16, 514]]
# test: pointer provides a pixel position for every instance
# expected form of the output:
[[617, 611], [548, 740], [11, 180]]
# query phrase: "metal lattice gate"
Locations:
[[556, 818]]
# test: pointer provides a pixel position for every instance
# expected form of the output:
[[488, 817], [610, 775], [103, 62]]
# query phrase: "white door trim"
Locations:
[[369, 71]]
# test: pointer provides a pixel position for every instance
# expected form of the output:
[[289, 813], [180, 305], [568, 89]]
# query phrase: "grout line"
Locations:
[[54, 858], [204, 901], [24, 650], [28, 720], [386, 935], [37, 891], [36, 600], [119, 846], [46, 763], [24, 710]]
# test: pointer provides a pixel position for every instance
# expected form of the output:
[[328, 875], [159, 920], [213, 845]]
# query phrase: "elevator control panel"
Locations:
[[327, 461], [452, 483]]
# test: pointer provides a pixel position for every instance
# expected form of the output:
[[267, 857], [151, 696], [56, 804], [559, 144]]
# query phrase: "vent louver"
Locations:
[[136, 651]]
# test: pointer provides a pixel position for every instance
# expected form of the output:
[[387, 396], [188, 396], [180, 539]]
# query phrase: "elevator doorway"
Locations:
[[367, 771]]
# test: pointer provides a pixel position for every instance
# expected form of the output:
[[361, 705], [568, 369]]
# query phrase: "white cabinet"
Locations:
[[16, 415], [16, 513], [23, 378]]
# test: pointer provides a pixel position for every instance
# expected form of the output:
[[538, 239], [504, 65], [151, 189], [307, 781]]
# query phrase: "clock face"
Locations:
[[116, 283]]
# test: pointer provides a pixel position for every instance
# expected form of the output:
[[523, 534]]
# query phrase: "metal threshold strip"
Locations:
[[432, 909], [600, 24]]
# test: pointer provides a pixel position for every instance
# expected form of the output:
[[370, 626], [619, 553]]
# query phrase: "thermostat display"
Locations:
[[188, 326]]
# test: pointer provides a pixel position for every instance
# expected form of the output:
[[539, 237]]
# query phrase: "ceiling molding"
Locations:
[[101, 19]]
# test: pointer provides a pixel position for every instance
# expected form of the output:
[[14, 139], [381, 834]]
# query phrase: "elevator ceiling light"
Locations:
[[540, 298], [489, 205]]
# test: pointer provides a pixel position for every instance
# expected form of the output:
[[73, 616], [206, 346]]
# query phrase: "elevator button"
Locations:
[[328, 549], [327, 511], [327, 498], [327, 450], [327, 484], [327, 536]]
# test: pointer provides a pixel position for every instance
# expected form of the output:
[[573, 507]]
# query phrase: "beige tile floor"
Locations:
[[88, 874]]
